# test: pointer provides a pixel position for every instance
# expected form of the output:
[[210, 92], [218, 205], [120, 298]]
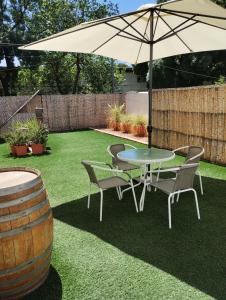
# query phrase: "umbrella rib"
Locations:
[[119, 31], [125, 32], [176, 32], [190, 13], [198, 21], [145, 31], [169, 33], [131, 38], [130, 25], [156, 23]]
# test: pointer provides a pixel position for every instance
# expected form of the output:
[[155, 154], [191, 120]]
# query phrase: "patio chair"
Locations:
[[113, 150], [117, 163], [114, 181], [176, 186], [194, 154]]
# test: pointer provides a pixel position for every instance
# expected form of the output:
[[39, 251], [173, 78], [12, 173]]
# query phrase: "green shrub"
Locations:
[[37, 132], [141, 120], [127, 119], [18, 135], [115, 113]]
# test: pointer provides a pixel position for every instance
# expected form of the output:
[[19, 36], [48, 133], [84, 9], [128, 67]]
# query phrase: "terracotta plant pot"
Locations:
[[140, 130], [21, 150], [126, 127], [115, 126], [37, 148], [12, 150]]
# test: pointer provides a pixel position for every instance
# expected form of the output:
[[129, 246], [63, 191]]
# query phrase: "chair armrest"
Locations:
[[131, 146], [196, 156], [110, 169], [165, 170], [109, 151], [178, 149], [95, 163]]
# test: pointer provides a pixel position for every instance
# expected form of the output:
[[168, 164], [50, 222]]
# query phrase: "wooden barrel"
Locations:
[[26, 232]]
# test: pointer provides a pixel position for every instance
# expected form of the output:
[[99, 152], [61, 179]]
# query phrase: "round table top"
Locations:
[[13, 178], [146, 155]]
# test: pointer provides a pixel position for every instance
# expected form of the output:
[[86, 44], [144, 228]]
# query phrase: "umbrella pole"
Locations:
[[149, 127]]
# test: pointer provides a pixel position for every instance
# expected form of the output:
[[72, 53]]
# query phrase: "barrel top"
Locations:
[[14, 178]]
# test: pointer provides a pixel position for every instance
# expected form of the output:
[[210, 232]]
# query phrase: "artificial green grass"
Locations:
[[128, 255]]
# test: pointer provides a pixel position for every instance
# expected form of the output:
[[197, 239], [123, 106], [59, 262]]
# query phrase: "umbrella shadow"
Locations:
[[193, 251], [50, 289]]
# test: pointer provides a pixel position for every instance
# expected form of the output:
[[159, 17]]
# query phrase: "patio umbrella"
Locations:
[[152, 32]]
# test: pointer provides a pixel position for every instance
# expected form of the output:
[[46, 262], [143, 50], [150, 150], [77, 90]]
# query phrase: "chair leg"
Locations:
[[101, 204], [178, 196], [173, 199], [142, 198], [119, 196], [169, 211], [134, 195], [160, 165], [88, 202], [196, 203], [200, 182], [120, 192]]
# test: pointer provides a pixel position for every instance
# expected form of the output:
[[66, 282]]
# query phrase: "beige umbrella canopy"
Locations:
[[152, 32]]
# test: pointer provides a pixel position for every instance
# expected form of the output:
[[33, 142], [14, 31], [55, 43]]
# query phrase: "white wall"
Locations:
[[131, 84], [137, 103]]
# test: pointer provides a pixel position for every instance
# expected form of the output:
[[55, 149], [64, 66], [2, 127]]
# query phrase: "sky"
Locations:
[[130, 5]]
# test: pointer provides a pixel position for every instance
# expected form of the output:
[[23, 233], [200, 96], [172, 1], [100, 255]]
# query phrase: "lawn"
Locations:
[[128, 255]]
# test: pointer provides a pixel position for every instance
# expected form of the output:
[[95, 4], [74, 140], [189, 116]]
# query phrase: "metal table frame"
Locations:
[[143, 157]]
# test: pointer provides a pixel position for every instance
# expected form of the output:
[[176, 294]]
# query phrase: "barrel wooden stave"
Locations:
[[26, 235]]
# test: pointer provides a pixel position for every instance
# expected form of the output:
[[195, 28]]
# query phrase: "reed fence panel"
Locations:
[[191, 116], [70, 112]]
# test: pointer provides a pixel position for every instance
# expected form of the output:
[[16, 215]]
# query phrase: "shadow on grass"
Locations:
[[193, 251], [29, 155], [51, 288]]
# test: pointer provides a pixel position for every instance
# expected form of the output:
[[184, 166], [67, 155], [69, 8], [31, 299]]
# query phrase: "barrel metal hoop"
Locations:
[[24, 265], [20, 187], [23, 213], [26, 227], [26, 286], [11, 282], [21, 199]]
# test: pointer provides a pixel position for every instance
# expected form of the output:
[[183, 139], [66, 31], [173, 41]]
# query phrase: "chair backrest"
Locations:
[[115, 149], [185, 177], [194, 152], [90, 171]]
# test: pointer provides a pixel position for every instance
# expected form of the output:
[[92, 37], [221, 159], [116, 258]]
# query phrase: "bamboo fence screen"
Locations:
[[184, 116], [70, 112], [191, 116]]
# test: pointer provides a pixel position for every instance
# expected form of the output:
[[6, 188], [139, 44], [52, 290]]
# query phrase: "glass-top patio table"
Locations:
[[146, 158]]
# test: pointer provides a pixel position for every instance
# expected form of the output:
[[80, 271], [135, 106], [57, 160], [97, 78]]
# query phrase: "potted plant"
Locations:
[[10, 138], [140, 126], [115, 113], [126, 124], [17, 138], [38, 136]]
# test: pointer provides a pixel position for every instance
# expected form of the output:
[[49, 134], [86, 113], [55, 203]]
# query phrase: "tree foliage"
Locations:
[[26, 21], [190, 69]]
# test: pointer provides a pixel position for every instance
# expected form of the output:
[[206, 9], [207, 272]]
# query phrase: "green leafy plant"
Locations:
[[221, 80], [141, 120], [18, 134], [140, 124], [38, 132], [126, 123], [114, 115]]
